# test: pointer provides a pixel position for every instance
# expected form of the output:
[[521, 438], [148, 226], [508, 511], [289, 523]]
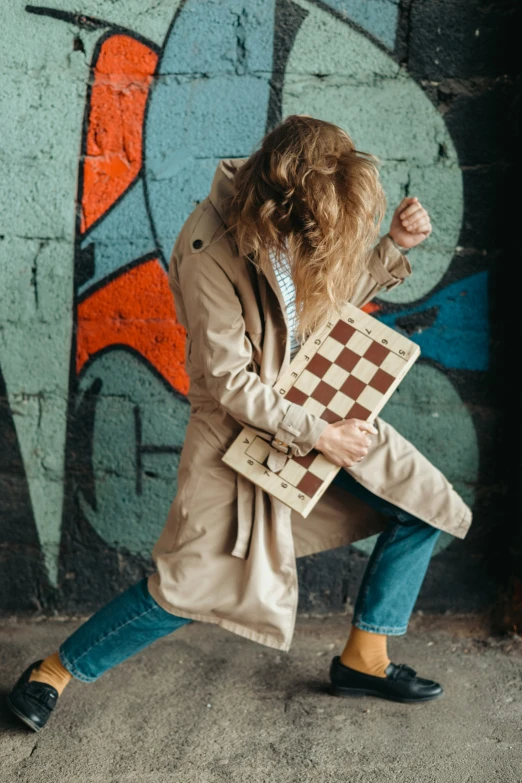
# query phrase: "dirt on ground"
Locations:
[[206, 706]]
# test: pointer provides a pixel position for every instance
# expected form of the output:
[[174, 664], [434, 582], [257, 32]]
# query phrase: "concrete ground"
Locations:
[[205, 706]]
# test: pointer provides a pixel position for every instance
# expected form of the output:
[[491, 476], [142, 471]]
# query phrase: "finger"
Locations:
[[406, 201], [417, 217], [355, 452], [365, 426], [419, 226], [419, 214], [364, 440], [410, 210]]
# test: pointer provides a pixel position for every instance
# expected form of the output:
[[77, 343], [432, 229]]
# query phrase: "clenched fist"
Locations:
[[346, 442], [410, 224]]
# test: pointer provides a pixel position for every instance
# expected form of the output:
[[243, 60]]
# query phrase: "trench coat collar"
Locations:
[[222, 188], [223, 183]]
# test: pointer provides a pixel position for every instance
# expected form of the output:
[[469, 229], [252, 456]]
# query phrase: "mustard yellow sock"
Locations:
[[366, 652], [52, 672]]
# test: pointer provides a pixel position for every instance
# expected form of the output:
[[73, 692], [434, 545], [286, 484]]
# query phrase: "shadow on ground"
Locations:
[[205, 706]]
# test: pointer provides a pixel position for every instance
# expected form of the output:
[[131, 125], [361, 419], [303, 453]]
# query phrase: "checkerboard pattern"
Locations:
[[347, 370], [347, 377]]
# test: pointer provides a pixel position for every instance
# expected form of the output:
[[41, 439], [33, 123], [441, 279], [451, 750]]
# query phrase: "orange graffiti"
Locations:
[[137, 310], [122, 76]]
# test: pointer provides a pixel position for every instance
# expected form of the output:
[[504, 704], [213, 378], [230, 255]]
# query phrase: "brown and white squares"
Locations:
[[297, 396], [393, 365], [364, 370], [342, 332], [348, 372], [292, 472], [359, 343], [352, 387], [323, 392], [318, 365], [330, 349], [359, 412], [341, 404], [307, 460], [313, 406], [347, 381], [343, 382], [307, 382], [382, 381], [335, 376], [376, 353], [309, 484], [321, 467], [330, 416], [347, 359], [369, 398]]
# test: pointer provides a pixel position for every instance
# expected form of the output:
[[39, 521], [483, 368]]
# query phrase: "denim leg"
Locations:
[[397, 566], [121, 628]]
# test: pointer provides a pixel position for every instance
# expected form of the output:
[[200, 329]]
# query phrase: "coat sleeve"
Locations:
[[386, 268], [222, 350]]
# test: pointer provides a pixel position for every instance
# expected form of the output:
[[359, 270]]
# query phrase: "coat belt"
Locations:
[[246, 496]]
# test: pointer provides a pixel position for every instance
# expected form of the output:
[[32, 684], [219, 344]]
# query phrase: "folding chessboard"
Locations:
[[347, 369]]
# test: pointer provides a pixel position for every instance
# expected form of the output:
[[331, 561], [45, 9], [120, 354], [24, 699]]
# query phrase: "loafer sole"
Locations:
[[22, 717], [337, 690]]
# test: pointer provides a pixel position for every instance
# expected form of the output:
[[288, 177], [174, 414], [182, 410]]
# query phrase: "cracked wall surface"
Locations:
[[117, 116]]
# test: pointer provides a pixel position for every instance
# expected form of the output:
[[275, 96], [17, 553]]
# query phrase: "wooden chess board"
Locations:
[[347, 369]]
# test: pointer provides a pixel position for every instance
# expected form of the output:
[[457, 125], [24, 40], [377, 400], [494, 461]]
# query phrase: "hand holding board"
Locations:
[[347, 369]]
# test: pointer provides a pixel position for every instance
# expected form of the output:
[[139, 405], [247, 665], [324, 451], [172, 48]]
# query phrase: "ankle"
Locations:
[[52, 672], [366, 652], [360, 664]]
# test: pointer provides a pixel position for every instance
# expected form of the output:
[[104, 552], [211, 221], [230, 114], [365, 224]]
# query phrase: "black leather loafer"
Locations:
[[400, 684], [32, 702]]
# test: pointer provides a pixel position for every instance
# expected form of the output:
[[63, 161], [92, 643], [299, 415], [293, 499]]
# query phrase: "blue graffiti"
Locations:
[[223, 50], [379, 17], [209, 101], [458, 333]]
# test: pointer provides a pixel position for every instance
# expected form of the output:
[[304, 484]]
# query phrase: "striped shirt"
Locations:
[[286, 284]]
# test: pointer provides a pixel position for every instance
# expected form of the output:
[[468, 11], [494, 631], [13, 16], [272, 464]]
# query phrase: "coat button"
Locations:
[[197, 243]]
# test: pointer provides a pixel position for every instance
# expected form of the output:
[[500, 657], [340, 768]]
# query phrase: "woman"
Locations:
[[281, 242]]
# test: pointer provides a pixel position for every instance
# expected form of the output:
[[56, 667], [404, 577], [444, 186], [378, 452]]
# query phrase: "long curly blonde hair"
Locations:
[[314, 201]]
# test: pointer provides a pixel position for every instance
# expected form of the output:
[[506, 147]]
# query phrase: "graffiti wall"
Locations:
[[119, 113]]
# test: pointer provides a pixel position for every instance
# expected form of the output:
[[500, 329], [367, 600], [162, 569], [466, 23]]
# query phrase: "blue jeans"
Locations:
[[397, 566], [385, 600]]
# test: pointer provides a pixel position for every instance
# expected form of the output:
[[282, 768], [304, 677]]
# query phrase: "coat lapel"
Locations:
[[221, 189]]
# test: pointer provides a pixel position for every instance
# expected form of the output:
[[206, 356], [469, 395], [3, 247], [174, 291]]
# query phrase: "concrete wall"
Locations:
[[118, 114]]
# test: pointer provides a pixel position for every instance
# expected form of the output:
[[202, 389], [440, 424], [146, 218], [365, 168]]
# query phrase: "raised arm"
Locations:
[[386, 268]]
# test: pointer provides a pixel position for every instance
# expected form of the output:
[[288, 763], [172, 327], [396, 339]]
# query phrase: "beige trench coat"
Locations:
[[227, 551]]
